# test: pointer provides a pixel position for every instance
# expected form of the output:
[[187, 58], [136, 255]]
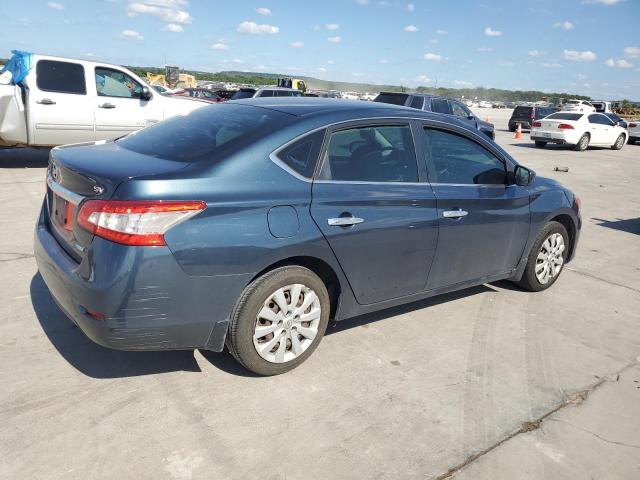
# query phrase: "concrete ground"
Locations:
[[488, 383]]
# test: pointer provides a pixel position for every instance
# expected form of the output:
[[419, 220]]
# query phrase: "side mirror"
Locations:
[[471, 117], [145, 94], [522, 176]]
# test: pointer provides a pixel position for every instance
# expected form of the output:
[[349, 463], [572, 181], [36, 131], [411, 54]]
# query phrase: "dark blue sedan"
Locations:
[[253, 223]]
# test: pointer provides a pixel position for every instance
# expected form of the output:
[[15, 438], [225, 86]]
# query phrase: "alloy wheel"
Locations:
[[287, 323], [550, 258]]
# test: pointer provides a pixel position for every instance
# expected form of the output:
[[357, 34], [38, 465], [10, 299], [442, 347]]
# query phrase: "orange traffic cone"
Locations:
[[518, 135]]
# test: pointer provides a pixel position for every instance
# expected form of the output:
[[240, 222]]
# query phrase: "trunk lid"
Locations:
[[91, 170]]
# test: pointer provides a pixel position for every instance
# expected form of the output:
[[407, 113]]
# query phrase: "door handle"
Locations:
[[454, 213], [344, 221], [107, 105], [46, 101]]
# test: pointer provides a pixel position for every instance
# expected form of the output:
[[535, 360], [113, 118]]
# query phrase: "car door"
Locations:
[[119, 108], [483, 221], [372, 204], [60, 110], [602, 129]]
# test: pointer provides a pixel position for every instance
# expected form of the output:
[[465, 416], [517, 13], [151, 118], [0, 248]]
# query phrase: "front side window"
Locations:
[[114, 83], [439, 105], [302, 155], [60, 77], [459, 160], [371, 154], [600, 119], [459, 110]]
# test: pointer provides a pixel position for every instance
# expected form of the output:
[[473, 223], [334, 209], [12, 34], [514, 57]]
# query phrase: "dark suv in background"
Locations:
[[525, 116], [436, 104]]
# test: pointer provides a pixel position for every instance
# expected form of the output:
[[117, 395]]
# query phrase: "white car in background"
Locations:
[[578, 106], [633, 129], [485, 104], [579, 130]]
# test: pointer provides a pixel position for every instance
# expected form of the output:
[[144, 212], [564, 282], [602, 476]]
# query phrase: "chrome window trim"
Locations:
[[358, 182], [63, 192]]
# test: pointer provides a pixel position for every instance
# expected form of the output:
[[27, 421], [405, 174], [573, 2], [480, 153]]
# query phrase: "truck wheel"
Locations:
[[540, 144], [279, 320], [582, 144], [547, 258]]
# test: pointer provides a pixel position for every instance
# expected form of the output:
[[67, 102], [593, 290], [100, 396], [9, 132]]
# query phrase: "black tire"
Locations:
[[512, 128], [243, 318], [529, 280], [582, 144], [540, 144], [619, 142]]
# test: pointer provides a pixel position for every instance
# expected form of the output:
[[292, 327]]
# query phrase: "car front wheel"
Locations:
[[279, 320], [547, 258], [619, 143]]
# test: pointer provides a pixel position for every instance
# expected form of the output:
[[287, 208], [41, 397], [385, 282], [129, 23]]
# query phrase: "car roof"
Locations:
[[315, 106]]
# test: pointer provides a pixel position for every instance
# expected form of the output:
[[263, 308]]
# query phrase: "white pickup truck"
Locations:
[[64, 101]]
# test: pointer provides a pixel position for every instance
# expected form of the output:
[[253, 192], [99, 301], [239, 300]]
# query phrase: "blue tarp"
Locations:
[[19, 65]]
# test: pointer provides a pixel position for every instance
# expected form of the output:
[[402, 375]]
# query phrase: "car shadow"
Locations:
[[359, 321], [90, 358], [630, 225], [24, 157], [553, 146]]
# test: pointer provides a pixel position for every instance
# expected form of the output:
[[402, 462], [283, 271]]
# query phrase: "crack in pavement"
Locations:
[[595, 277], [530, 425], [614, 442], [17, 256]]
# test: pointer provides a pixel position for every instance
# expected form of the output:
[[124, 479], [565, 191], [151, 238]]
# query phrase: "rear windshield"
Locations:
[[565, 116], [522, 111], [392, 98], [206, 134], [243, 94]]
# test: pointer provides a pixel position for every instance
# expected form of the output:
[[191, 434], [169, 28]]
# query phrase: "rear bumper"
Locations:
[[560, 141], [148, 301], [513, 124]]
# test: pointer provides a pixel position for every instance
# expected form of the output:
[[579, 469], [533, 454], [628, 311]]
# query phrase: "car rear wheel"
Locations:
[[540, 144], [547, 258], [583, 143], [279, 320], [619, 143]]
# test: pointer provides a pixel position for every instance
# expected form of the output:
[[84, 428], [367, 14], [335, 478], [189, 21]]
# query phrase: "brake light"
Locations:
[[537, 124], [142, 223], [633, 125], [565, 126]]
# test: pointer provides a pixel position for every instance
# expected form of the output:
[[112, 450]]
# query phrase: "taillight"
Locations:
[[565, 126], [537, 124], [633, 125], [135, 222]]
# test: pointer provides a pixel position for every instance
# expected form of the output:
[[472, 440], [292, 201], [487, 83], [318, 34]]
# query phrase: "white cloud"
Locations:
[[131, 35], [362, 2], [330, 62], [263, 11], [89, 54], [576, 56], [238, 61], [334, 39], [602, 2], [581, 76], [170, 11], [332, 26], [492, 33], [173, 27], [411, 7], [434, 41], [551, 65], [485, 49], [422, 78], [253, 28], [632, 52], [316, 27], [432, 57], [384, 62], [621, 63], [411, 28], [535, 53], [55, 5], [566, 25], [462, 83], [296, 44], [441, 32], [220, 46], [322, 69]]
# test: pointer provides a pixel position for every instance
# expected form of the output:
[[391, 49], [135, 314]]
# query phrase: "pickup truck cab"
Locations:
[[63, 101]]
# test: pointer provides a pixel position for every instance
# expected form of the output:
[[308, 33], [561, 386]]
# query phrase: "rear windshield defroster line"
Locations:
[[207, 134]]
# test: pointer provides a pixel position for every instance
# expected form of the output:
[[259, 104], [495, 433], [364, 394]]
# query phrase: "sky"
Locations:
[[588, 47]]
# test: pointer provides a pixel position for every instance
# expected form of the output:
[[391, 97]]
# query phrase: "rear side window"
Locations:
[[266, 93], [206, 134], [523, 112], [61, 77], [302, 155], [459, 160], [392, 98], [371, 154], [565, 116], [243, 94], [439, 105], [417, 102]]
